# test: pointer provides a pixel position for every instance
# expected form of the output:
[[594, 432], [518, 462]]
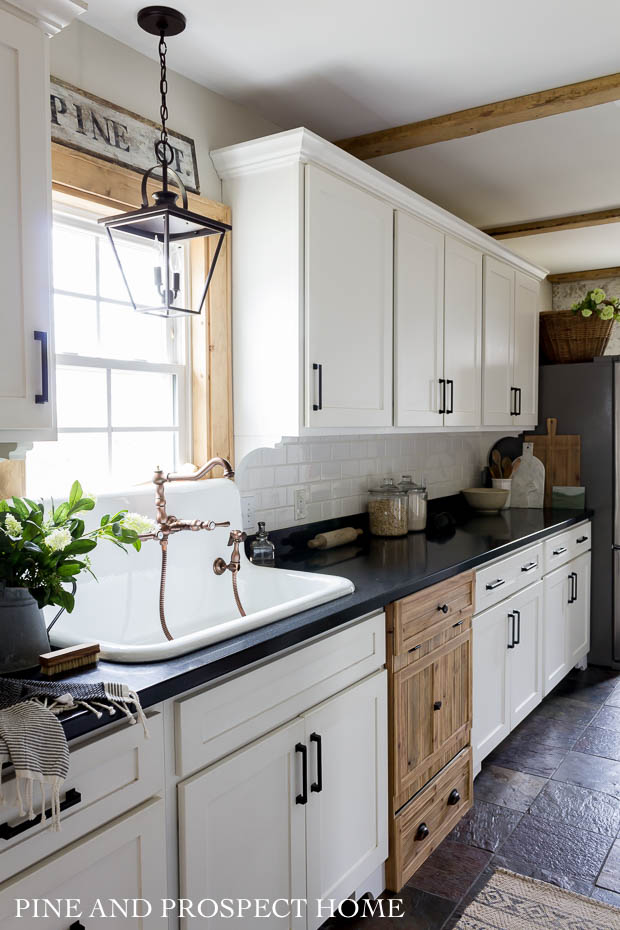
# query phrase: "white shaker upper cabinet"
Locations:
[[348, 303], [26, 373], [498, 341], [463, 333], [418, 323], [526, 327]]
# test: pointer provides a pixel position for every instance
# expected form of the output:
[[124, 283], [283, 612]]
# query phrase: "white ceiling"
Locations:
[[343, 68]]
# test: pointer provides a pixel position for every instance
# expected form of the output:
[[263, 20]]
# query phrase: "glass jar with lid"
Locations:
[[387, 510], [416, 503]]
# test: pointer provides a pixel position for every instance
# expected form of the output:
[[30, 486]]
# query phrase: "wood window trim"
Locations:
[[78, 175]]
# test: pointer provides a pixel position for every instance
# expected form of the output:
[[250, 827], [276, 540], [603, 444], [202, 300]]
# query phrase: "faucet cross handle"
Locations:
[[236, 537]]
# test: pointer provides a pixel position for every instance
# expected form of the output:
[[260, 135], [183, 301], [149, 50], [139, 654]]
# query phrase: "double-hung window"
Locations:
[[122, 381]]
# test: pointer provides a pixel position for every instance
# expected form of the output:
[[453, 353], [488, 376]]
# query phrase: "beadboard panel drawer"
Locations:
[[419, 828], [110, 773], [425, 614], [215, 722], [505, 577], [565, 546]]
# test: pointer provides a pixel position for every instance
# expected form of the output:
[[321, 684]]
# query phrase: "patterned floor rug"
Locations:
[[513, 902]]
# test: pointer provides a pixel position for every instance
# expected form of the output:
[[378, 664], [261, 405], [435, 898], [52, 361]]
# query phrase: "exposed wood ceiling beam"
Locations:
[[592, 275], [489, 116], [555, 224]]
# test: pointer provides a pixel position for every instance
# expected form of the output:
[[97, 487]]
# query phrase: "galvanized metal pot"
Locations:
[[23, 636]]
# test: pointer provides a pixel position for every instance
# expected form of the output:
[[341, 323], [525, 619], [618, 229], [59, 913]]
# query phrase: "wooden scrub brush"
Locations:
[[71, 659]]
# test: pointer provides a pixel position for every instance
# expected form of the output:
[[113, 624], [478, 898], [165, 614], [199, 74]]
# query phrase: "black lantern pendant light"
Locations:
[[162, 221]]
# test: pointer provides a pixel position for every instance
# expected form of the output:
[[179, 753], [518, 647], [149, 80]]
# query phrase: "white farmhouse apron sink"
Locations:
[[121, 610]]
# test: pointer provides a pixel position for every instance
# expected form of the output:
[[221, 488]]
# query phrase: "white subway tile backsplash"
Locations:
[[337, 472]]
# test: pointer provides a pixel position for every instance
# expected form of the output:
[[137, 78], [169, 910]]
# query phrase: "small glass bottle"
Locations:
[[262, 550], [416, 503]]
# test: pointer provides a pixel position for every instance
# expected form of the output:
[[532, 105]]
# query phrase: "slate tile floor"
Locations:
[[546, 804]]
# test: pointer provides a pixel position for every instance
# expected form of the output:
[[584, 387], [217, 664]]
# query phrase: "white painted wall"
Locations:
[[96, 63]]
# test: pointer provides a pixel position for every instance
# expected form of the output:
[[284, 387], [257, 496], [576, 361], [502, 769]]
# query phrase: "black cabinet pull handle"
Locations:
[[518, 394], [517, 638], [572, 593], [437, 705], [415, 648], [451, 383], [560, 550], [582, 539], [495, 584], [318, 784], [443, 608], [458, 623], [511, 621], [303, 797], [529, 567], [319, 368], [422, 832], [454, 797], [575, 592], [442, 386], [513, 401], [41, 336], [7, 832]]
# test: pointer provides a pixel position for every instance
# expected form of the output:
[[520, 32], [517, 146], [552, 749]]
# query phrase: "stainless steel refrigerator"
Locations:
[[585, 397]]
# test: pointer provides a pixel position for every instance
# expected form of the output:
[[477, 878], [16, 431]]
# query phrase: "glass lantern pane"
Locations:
[[81, 396], [139, 260], [142, 398]]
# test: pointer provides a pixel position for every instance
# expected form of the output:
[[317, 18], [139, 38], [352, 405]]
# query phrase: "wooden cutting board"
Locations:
[[561, 456]]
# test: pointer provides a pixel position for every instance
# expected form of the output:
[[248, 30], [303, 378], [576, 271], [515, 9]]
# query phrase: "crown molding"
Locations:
[[51, 16], [301, 145]]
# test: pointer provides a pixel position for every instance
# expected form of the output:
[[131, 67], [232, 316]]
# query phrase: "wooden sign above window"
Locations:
[[98, 127]]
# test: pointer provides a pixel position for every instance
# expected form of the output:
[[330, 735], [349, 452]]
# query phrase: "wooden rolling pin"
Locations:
[[334, 538]]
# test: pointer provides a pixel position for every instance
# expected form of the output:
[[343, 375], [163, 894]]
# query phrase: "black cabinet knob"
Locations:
[[437, 705], [454, 797], [423, 832], [443, 608]]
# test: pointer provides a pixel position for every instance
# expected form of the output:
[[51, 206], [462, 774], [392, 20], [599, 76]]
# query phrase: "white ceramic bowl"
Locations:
[[486, 500]]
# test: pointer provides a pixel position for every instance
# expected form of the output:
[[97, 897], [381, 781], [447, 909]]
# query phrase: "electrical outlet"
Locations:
[[301, 503], [248, 511]]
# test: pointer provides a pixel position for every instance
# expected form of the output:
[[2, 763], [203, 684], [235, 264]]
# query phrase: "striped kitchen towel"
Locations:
[[33, 740]]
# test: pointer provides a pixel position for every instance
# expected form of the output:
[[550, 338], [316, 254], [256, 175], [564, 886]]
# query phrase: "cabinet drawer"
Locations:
[[420, 827], [108, 775], [213, 723], [567, 545], [425, 614], [501, 579]]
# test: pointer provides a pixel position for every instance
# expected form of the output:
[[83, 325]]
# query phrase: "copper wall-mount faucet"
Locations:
[[168, 524]]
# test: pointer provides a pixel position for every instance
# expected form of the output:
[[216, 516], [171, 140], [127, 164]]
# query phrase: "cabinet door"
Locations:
[[498, 340], [241, 830], [25, 211], [348, 297], [431, 714], [418, 323], [491, 682], [526, 348], [347, 811], [579, 610], [555, 627], [463, 334], [124, 860], [526, 657]]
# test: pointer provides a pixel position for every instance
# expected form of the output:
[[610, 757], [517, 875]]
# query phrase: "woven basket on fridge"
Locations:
[[569, 337]]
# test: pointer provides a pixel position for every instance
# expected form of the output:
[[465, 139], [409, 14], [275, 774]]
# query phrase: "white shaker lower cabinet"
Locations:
[[300, 813], [507, 667], [579, 609], [567, 618], [348, 305], [124, 859]]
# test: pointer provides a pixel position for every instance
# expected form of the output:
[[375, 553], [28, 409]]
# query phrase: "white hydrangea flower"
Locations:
[[58, 539], [13, 526], [139, 523]]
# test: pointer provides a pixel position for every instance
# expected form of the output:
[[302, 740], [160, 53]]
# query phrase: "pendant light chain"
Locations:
[[164, 151]]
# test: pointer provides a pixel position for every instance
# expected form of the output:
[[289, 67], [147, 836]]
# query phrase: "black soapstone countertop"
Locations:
[[382, 571]]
